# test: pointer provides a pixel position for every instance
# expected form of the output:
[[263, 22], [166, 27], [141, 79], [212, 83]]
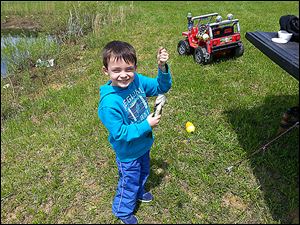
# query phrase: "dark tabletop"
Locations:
[[285, 55]]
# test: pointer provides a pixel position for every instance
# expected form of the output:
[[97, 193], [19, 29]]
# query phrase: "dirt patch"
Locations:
[[294, 216], [18, 23], [233, 201]]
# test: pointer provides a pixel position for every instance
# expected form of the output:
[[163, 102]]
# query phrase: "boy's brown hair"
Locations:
[[119, 50]]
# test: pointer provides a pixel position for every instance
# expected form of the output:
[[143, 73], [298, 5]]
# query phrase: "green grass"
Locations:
[[58, 167]]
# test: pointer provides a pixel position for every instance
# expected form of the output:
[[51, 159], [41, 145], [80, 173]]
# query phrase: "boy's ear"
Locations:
[[104, 70]]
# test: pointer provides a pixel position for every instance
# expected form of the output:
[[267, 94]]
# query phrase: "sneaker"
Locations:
[[129, 220], [147, 197]]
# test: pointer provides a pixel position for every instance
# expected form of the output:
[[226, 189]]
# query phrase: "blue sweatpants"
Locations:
[[131, 185]]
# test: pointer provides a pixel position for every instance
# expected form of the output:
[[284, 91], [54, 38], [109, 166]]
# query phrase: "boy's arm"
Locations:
[[163, 79], [113, 121], [159, 85]]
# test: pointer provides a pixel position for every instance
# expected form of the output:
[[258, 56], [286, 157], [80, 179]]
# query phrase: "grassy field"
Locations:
[[57, 165]]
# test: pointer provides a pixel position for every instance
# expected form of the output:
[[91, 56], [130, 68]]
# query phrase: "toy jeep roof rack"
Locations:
[[211, 37], [203, 16]]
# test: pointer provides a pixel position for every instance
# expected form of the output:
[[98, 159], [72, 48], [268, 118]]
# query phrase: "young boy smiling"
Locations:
[[124, 111]]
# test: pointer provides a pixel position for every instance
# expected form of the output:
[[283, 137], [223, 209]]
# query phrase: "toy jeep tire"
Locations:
[[207, 58], [239, 51], [183, 47], [199, 55]]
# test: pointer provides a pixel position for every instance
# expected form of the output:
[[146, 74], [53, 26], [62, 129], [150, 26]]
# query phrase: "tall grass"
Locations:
[[22, 53], [25, 8], [73, 18]]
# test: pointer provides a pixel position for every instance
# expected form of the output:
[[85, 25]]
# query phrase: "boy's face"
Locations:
[[120, 72]]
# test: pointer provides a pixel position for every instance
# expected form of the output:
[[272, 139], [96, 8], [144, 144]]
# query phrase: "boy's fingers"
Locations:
[[164, 55], [161, 49], [158, 116]]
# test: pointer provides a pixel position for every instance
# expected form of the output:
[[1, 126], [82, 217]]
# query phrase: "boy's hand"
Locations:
[[153, 120], [162, 58]]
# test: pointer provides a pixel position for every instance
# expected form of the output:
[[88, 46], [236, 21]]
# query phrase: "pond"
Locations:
[[18, 49]]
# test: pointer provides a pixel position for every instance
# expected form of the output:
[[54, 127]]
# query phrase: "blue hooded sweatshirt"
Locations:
[[124, 111]]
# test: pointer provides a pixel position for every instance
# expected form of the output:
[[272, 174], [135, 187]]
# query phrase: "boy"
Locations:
[[124, 111]]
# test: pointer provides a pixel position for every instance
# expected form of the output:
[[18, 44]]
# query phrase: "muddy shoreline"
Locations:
[[19, 25]]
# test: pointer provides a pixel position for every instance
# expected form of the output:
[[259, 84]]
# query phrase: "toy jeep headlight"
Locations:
[[219, 19], [229, 16], [205, 37]]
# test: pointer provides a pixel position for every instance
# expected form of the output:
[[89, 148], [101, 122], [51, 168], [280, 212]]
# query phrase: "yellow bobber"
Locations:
[[190, 128]]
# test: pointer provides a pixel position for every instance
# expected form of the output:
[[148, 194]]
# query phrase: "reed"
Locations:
[[22, 53]]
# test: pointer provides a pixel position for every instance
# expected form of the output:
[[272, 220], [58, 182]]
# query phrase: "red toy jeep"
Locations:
[[211, 37]]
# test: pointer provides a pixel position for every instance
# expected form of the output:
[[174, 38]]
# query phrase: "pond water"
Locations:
[[12, 41], [6, 39]]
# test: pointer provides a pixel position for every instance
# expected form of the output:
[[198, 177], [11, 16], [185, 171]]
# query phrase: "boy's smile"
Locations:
[[120, 72]]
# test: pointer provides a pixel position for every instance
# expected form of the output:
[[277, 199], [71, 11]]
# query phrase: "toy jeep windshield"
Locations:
[[210, 36]]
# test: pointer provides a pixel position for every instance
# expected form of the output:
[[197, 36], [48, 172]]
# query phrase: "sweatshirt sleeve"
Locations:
[[159, 85], [113, 121]]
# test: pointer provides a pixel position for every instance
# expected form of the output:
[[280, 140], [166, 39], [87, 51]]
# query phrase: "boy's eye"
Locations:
[[119, 70], [129, 70]]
